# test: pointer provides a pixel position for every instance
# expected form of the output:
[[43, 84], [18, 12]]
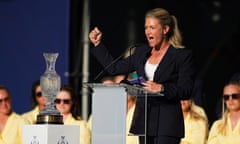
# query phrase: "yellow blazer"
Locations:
[[85, 133], [196, 131], [130, 139], [232, 135], [31, 116], [12, 132]]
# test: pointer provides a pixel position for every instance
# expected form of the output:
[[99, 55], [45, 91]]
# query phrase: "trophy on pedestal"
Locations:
[[50, 83]]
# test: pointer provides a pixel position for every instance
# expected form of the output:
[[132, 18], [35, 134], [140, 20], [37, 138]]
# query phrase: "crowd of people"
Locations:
[[167, 68], [196, 126]]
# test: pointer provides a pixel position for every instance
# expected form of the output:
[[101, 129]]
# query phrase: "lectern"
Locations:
[[109, 107]]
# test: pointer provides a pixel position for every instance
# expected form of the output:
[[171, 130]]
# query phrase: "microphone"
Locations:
[[129, 49]]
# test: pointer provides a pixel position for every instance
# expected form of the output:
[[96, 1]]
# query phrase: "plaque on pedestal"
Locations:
[[51, 134]]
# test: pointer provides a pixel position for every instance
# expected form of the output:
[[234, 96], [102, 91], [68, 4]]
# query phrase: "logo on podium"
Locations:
[[34, 141], [62, 140]]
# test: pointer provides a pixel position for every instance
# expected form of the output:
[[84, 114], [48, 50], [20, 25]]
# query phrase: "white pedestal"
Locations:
[[51, 134]]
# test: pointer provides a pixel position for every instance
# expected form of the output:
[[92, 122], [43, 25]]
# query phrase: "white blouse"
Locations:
[[150, 70]]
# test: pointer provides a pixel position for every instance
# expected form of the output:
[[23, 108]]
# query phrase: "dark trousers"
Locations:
[[160, 140]]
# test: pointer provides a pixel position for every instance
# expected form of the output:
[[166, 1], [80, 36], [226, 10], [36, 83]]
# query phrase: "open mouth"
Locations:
[[150, 39]]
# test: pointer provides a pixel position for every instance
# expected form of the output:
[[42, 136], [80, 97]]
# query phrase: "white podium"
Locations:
[[109, 108], [50, 134], [108, 114]]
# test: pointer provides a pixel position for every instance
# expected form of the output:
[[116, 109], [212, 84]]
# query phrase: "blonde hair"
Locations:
[[129, 52], [195, 113], [225, 112], [173, 35]]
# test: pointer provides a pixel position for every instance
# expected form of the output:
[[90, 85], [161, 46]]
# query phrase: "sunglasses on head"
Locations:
[[38, 94], [233, 96], [6, 99], [65, 101]]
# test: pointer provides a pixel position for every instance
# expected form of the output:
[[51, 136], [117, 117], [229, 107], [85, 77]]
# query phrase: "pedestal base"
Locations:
[[51, 134], [49, 119]]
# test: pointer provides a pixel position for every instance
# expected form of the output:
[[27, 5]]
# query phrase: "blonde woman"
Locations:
[[167, 68], [227, 129], [195, 123]]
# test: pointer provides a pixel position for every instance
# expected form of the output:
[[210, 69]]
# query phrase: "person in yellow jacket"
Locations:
[[227, 129], [11, 123], [67, 104], [131, 104], [38, 103], [195, 123]]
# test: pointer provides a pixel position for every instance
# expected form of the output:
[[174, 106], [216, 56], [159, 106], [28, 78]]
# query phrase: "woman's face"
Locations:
[[5, 103], [231, 96], [154, 31], [63, 102]]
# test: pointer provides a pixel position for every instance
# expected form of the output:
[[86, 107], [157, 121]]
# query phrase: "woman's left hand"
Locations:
[[152, 86]]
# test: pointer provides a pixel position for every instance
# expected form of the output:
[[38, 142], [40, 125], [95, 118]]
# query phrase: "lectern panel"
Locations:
[[109, 115], [109, 109]]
